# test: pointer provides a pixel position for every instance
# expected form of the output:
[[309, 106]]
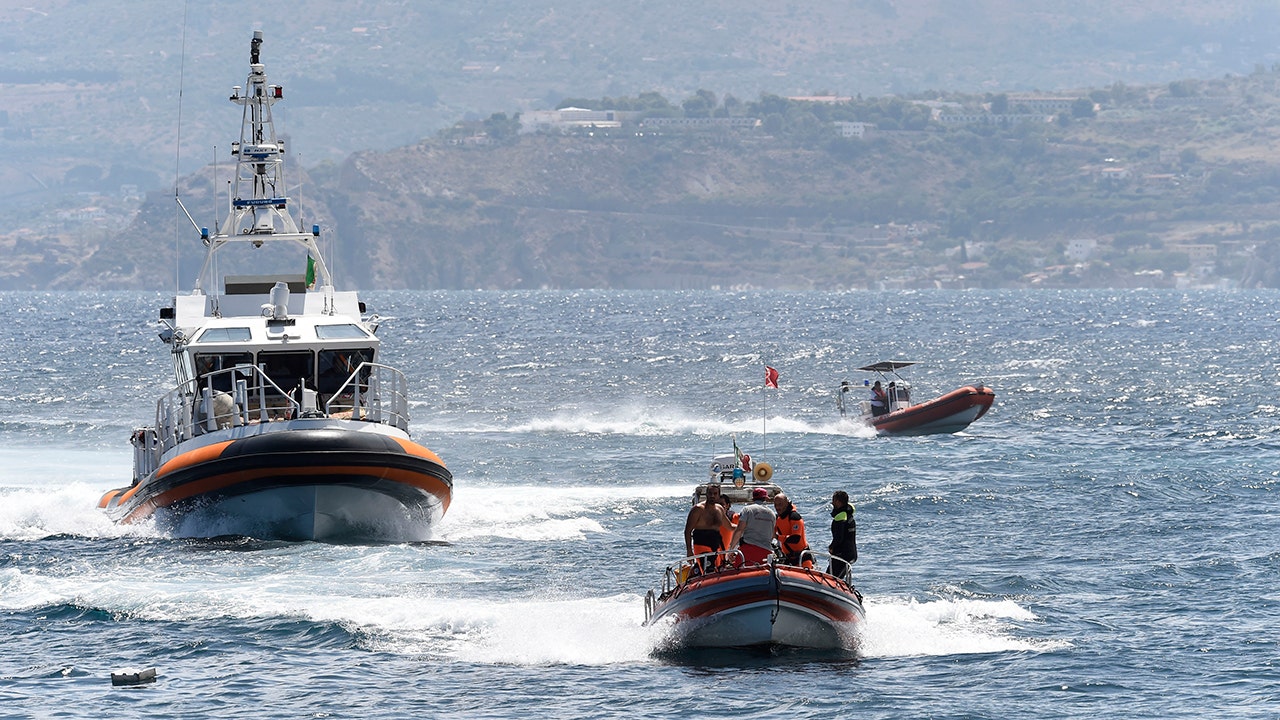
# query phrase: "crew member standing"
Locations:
[[844, 534], [702, 529], [789, 532], [754, 534]]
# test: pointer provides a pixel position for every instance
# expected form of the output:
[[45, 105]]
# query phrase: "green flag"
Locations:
[[311, 272]]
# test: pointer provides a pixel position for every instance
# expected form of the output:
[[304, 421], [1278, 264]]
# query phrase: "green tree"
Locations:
[[700, 105], [1082, 108], [500, 127]]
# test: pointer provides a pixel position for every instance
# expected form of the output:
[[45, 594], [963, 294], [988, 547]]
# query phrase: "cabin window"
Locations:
[[337, 365], [213, 362], [345, 331], [226, 334], [287, 369]]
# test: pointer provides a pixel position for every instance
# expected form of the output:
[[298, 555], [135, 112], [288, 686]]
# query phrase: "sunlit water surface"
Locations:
[[1104, 543]]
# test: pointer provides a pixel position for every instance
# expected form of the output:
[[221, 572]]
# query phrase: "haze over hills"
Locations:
[[90, 90]]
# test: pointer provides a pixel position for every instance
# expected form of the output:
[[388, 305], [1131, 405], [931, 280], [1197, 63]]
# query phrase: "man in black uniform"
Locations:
[[844, 535]]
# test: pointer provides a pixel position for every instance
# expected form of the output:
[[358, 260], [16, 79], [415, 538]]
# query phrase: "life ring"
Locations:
[[763, 472]]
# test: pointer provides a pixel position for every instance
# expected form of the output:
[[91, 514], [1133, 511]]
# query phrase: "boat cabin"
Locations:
[[280, 353], [735, 481], [896, 388]]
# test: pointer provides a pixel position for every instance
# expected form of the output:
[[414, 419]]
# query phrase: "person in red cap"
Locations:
[[754, 534]]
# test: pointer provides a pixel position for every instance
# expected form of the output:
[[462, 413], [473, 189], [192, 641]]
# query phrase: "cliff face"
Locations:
[[161, 246], [578, 212], [1074, 203]]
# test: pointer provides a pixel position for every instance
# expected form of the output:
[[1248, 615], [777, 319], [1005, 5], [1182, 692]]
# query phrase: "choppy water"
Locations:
[[1103, 544]]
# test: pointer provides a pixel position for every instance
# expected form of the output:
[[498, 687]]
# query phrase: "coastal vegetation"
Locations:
[[1161, 185]]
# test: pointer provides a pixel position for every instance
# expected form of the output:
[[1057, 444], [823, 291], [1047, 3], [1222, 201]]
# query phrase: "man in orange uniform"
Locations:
[[789, 532]]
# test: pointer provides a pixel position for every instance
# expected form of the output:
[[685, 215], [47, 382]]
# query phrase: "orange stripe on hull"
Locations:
[[186, 459], [412, 448], [791, 595], [430, 484], [106, 499]]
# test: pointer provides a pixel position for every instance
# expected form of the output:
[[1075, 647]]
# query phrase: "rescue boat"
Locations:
[[949, 413], [769, 604], [736, 605], [283, 422]]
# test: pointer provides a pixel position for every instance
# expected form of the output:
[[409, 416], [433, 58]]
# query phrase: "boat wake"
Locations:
[[648, 422], [903, 628], [562, 513], [60, 511]]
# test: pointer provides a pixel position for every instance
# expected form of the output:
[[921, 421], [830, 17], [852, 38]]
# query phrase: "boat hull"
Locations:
[[762, 606], [323, 480], [949, 413]]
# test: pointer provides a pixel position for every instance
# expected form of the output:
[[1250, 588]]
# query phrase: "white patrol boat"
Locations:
[[283, 423]]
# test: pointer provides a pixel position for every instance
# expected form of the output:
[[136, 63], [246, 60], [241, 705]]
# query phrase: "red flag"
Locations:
[[770, 377]]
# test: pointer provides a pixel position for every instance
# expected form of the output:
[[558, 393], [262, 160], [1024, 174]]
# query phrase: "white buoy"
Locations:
[[130, 676]]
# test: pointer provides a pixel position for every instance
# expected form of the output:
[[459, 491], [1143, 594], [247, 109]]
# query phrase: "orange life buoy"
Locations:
[[763, 472]]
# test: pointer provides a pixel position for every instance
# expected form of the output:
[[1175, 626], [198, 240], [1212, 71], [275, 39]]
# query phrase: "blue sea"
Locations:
[[1105, 543]]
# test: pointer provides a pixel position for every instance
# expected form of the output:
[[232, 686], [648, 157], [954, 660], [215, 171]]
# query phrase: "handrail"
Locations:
[[194, 407], [372, 393], [377, 393], [682, 571], [688, 568]]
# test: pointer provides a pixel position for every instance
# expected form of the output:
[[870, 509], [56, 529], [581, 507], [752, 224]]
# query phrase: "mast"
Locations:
[[258, 211]]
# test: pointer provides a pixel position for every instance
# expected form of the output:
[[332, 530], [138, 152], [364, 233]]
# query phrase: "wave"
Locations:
[[561, 512], [644, 422], [903, 628], [388, 604], [61, 511]]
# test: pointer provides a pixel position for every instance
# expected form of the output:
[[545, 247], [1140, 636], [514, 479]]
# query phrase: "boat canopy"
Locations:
[[888, 365]]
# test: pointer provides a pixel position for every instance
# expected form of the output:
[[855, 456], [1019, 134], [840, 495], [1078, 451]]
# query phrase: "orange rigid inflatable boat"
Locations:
[[757, 606], [732, 604], [948, 413]]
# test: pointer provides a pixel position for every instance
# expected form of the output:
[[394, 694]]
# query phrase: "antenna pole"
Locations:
[[177, 151], [764, 415]]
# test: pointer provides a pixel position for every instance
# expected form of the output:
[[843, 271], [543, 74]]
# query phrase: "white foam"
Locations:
[[560, 512], [899, 628], [581, 631], [650, 422], [32, 514]]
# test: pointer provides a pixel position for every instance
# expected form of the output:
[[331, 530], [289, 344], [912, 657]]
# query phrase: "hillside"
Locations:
[[101, 101], [1162, 185]]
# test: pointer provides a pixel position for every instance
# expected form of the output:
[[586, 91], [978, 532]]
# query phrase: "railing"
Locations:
[[372, 393], [696, 566], [693, 566]]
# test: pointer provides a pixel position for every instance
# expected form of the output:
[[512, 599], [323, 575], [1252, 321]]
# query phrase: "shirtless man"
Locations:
[[702, 527]]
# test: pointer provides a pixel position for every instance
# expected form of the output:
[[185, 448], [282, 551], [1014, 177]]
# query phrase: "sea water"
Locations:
[[1104, 543]]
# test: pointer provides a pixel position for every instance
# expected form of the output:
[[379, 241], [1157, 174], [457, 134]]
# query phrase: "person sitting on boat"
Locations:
[[754, 534], [702, 529], [844, 535], [788, 530], [879, 401], [726, 532]]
